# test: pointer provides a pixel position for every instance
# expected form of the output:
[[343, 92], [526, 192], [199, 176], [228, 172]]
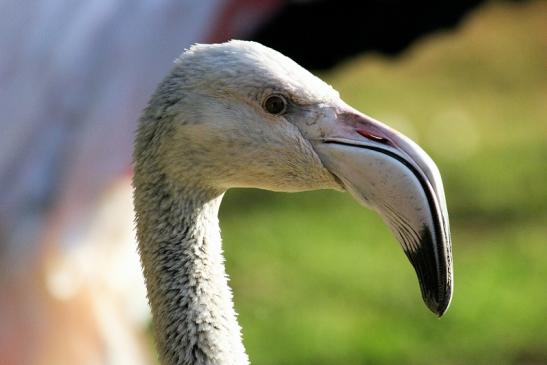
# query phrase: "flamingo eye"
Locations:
[[275, 104]]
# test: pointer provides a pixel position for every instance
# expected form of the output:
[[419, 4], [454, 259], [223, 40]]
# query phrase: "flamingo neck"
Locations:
[[181, 253]]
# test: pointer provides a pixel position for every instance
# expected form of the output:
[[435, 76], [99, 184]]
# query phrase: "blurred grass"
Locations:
[[319, 280]]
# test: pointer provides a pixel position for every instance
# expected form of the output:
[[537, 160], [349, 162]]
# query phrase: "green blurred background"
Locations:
[[318, 279]]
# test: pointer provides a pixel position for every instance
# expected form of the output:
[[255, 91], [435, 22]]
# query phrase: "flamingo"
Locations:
[[239, 114]]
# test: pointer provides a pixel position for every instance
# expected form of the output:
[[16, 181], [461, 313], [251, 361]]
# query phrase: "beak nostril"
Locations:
[[373, 136]]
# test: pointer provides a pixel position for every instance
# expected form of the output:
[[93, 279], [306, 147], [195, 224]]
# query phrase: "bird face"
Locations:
[[248, 116]]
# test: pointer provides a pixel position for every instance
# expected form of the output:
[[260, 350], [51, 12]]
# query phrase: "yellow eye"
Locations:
[[275, 104]]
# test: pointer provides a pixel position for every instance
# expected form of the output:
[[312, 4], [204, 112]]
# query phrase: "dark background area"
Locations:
[[319, 34]]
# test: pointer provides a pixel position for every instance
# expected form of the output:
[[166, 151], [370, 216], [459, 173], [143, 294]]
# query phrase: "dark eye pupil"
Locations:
[[275, 105]]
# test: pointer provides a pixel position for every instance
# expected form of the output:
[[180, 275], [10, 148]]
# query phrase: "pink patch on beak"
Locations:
[[372, 136], [367, 127]]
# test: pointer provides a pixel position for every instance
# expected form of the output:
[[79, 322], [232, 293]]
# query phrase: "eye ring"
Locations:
[[275, 104]]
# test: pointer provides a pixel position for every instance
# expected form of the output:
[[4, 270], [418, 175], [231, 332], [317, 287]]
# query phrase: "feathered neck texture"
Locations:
[[181, 253]]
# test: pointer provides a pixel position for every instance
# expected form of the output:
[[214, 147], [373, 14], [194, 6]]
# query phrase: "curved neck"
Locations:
[[181, 254]]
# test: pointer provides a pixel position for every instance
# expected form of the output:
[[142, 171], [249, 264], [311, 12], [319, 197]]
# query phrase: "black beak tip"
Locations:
[[438, 304], [437, 309], [433, 271]]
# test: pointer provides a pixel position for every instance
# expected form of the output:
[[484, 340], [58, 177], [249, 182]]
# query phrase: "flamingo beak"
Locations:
[[386, 171]]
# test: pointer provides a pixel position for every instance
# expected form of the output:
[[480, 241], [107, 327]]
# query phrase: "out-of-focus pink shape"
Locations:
[[74, 77]]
